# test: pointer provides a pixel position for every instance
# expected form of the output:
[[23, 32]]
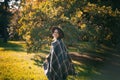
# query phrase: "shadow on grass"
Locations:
[[44, 51], [12, 46], [93, 60], [38, 60], [89, 61], [88, 67]]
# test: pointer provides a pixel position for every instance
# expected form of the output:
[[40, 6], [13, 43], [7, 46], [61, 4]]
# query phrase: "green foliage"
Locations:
[[37, 21], [14, 26], [101, 21], [80, 20]]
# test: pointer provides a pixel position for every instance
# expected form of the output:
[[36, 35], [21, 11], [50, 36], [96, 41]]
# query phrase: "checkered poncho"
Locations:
[[59, 64]]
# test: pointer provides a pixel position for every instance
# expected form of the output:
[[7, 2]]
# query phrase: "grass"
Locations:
[[16, 64]]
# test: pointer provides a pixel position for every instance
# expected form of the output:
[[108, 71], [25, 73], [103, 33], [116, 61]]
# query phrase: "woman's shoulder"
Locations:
[[55, 43]]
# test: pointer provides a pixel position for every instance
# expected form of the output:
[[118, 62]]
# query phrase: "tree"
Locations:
[[4, 19], [8, 12], [80, 20]]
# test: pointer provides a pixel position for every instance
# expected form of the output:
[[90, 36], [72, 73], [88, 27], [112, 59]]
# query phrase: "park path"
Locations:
[[107, 67], [111, 70]]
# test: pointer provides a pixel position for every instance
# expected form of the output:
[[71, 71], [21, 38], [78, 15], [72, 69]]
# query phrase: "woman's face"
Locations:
[[55, 34]]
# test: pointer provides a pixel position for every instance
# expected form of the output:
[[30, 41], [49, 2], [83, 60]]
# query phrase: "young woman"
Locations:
[[58, 64]]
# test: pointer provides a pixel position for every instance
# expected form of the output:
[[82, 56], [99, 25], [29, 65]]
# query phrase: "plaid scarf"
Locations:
[[59, 64]]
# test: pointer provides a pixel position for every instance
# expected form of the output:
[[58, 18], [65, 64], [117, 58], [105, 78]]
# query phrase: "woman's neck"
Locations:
[[55, 39]]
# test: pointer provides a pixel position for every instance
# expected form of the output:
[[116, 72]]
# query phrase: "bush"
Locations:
[[80, 20]]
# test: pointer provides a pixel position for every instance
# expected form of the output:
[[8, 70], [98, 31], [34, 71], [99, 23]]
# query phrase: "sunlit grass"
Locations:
[[17, 65]]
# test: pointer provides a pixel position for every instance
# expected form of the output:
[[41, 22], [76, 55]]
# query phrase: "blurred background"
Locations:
[[92, 36]]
